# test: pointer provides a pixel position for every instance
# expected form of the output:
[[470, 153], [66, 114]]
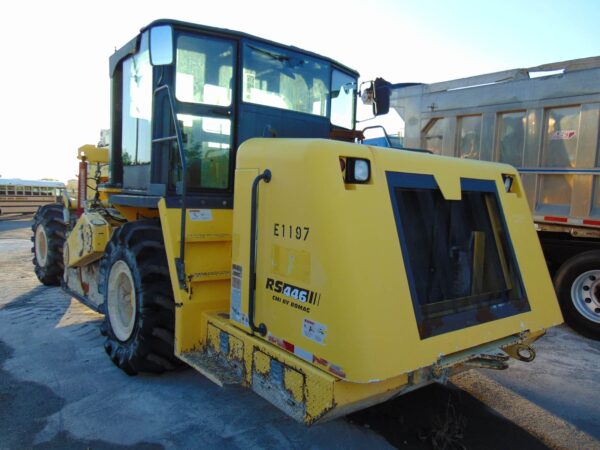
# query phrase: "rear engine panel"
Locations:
[[368, 281]]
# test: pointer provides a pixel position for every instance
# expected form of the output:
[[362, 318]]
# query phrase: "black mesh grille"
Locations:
[[460, 264]]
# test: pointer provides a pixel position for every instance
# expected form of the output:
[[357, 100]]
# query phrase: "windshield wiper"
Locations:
[[275, 56], [287, 61]]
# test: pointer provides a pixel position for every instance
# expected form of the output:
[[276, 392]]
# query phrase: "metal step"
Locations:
[[214, 367]]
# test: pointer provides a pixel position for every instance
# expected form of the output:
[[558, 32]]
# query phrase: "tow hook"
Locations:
[[522, 352]]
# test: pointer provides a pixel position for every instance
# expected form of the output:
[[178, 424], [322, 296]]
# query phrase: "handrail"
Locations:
[[179, 262], [261, 328], [389, 142], [372, 127]]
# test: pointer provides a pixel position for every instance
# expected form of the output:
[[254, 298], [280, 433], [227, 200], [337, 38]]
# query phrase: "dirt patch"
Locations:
[[443, 417]]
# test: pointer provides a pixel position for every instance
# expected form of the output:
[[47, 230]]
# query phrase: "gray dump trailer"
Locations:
[[544, 121]]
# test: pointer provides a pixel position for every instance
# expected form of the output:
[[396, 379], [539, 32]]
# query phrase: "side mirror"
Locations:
[[377, 94], [382, 97], [161, 45]]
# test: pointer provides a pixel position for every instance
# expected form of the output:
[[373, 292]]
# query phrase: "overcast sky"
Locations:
[[55, 53]]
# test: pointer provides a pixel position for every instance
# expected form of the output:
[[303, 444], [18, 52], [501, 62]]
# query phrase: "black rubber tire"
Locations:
[[563, 282], [51, 218], [150, 347]]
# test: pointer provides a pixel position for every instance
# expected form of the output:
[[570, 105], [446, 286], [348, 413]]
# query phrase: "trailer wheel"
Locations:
[[577, 284], [138, 300], [49, 233]]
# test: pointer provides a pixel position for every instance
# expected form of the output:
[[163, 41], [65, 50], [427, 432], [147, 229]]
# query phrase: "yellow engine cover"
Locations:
[[87, 240], [368, 281]]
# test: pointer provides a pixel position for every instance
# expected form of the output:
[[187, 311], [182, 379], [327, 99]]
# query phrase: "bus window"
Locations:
[[26, 197]]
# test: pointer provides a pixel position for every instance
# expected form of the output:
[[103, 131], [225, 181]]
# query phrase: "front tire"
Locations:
[[138, 300], [577, 284], [49, 234]]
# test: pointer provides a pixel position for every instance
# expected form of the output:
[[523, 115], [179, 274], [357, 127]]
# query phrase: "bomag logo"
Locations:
[[293, 292]]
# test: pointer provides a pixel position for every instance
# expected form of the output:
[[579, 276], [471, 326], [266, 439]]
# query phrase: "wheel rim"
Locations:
[[121, 300], [41, 245], [585, 294]]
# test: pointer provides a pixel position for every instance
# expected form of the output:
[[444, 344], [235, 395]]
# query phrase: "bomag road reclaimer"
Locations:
[[244, 232]]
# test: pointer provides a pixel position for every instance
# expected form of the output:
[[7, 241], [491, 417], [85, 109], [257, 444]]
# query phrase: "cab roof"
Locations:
[[132, 46]]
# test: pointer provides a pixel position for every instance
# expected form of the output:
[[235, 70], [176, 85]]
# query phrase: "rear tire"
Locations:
[[138, 300], [577, 284], [49, 234]]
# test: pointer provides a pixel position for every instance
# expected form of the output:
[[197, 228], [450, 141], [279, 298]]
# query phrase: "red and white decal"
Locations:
[[563, 135], [568, 221], [307, 356]]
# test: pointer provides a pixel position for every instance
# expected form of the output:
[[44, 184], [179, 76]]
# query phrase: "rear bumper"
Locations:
[[311, 395]]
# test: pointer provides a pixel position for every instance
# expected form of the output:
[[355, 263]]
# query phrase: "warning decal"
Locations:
[[236, 295], [314, 331], [200, 215]]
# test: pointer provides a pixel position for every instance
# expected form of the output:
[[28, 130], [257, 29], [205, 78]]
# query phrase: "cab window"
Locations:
[[137, 106], [204, 71], [203, 80], [343, 98], [286, 80]]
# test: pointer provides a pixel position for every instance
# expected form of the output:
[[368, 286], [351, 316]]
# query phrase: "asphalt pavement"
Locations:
[[59, 390]]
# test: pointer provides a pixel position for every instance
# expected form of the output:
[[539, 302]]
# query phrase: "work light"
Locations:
[[358, 170]]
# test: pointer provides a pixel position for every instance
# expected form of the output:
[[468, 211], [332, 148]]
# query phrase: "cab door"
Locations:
[[204, 103]]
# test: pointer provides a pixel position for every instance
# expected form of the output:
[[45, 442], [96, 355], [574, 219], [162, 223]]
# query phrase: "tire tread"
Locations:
[[150, 347]]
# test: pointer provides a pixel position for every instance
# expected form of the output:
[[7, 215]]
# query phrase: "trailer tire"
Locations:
[[577, 285], [138, 301], [49, 234]]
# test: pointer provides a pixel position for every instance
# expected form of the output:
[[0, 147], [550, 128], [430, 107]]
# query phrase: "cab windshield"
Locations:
[[286, 80]]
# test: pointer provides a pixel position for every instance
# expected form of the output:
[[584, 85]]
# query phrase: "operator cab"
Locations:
[[181, 90]]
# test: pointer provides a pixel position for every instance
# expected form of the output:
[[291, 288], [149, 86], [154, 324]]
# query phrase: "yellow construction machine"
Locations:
[[245, 232]]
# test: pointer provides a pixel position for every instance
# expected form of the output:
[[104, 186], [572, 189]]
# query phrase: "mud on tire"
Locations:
[[138, 300], [49, 234]]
